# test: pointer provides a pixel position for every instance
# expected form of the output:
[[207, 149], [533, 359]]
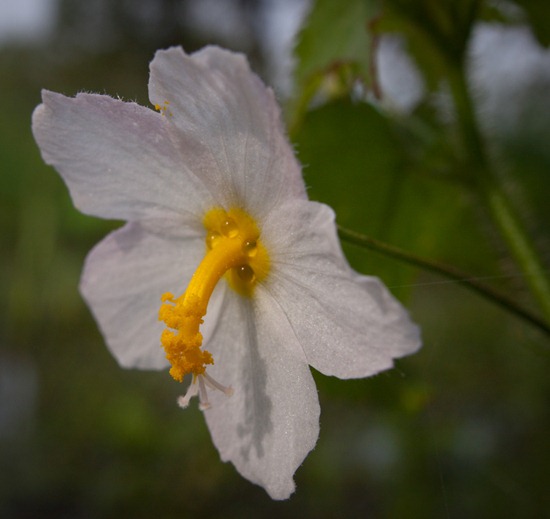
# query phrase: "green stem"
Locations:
[[500, 208], [446, 271], [522, 248]]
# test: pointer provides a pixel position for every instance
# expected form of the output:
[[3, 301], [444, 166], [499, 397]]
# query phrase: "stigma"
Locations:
[[234, 252]]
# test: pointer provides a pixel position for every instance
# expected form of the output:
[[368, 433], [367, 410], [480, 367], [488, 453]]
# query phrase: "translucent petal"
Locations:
[[347, 325], [124, 277], [118, 159], [271, 422], [229, 124]]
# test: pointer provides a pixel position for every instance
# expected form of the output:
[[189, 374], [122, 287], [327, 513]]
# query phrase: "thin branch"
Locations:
[[447, 271]]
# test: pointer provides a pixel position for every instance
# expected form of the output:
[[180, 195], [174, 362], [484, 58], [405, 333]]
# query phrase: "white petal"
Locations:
[[124, 277], [118, 159], [222, 108], [271, 422], [347, 325]]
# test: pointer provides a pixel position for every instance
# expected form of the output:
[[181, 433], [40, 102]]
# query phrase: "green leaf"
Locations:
[[355, 162], [334, 32], [333, 50]]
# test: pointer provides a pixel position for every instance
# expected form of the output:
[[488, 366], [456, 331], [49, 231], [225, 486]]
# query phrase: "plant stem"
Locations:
[[447, 271], [522, 248], [500, 208]]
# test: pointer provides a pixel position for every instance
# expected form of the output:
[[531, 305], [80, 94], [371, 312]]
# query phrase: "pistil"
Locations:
[[233, 248]]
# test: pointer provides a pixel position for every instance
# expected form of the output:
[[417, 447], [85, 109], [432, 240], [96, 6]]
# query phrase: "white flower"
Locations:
[[213, 165]]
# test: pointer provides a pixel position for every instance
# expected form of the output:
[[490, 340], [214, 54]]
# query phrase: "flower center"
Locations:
[[233, 250]]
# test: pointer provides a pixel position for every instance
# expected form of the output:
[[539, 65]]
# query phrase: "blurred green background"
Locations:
[[459, 429]]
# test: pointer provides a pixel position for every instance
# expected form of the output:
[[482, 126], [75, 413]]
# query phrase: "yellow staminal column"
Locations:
[[234, 250]]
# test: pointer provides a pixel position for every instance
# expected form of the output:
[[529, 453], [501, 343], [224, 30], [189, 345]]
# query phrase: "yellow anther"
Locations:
[[234, 250]]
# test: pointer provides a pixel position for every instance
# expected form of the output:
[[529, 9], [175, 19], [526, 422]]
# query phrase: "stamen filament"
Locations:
[[214, 384], [203, 395], [183, 401], [199, 386]]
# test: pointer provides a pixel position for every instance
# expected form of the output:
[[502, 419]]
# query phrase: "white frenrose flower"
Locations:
[[215, 202]]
